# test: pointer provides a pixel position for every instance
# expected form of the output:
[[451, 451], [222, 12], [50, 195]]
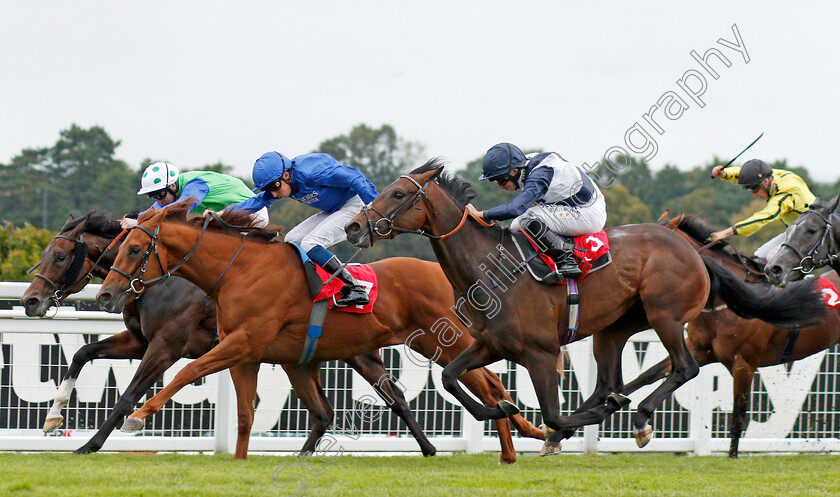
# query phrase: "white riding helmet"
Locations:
[[157, 177]]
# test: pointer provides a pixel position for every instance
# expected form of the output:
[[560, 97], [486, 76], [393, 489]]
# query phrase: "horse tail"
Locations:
[[798, 304]]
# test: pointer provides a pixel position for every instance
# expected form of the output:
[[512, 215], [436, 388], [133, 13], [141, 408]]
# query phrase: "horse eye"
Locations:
[[61, 257], [811, 230], [398, 194], [134, 250]]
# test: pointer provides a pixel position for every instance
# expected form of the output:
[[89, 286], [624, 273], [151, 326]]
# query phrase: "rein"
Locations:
[[138, 285], [807, 263]]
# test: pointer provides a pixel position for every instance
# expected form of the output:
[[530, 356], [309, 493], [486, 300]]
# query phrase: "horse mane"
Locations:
[[458, 188], [98, 223], [236, 219]]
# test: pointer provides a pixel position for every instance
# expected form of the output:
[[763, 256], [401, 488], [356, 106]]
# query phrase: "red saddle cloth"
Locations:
[[595, 245], [830, 294], [364, 274]]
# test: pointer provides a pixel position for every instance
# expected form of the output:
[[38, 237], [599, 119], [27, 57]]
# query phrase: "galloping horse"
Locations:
[[742, 345], [263, 304], [656, 280], [813, 241], [172, 320]]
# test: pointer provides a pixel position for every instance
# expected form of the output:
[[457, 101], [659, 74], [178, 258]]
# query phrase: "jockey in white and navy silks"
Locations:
[[163, 183], [557, 198], [320, 181]]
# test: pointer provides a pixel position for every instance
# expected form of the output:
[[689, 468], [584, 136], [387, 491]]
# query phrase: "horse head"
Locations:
[[408, 206], [140, 260], [64, 269], [811, 242]]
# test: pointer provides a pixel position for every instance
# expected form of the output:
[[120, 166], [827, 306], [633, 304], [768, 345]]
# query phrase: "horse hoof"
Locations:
[[430, 452], [51, 424], [618, 401], [507, 407], [550, 448], [132, 425], [546, 430], [644, 435], [504, 460]]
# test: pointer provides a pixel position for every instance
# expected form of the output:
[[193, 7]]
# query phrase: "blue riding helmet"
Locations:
[[500, 159], [269, 167]]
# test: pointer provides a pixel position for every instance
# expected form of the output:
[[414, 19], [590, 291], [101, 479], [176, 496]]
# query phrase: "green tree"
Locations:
[[379, 153], [624, 208], [20, 249]]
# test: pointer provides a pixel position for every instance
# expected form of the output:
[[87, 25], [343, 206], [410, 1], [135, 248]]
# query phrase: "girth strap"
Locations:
[[793, 335], [573, 300]]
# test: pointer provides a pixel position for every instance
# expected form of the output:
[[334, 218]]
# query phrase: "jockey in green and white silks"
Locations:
[[320, 181], [210, 190], [557, 200]]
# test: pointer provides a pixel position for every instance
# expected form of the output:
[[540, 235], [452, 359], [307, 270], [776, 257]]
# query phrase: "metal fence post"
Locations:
[[225, 426]]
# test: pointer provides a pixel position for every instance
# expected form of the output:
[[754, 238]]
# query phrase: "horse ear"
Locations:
[[431, 174], [665, 215], [817, 203], [832, 204], [675, 223]]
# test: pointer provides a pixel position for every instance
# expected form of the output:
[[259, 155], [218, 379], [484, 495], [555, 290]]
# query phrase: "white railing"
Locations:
[[792, 410]]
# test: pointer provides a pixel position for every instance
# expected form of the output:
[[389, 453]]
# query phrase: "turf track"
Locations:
[[126, 475]]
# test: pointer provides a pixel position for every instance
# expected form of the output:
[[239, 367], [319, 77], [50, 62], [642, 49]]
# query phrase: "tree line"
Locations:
[[81, 172]]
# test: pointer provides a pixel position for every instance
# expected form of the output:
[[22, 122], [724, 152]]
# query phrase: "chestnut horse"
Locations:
[[742, 345], [172, 320], [263, 305], [656, 280]]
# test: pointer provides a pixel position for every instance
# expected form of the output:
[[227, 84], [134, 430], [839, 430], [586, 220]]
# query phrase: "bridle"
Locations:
[[807, 262], [69, 278], [390, 219], [138, 285]]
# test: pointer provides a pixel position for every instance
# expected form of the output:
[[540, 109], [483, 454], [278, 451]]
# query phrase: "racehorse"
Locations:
[[263, 305], [656, 280], [742, 345], [172, 320], [812, 241]]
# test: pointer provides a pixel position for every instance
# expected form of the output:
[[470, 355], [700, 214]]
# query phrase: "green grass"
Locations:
[[126, 475]]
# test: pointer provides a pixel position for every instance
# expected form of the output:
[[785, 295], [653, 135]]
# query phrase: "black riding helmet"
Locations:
[[500, 159], [754, 172]]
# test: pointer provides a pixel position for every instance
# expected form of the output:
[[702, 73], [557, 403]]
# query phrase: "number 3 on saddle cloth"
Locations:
[[324, 297], [592, 252], [829, 292]]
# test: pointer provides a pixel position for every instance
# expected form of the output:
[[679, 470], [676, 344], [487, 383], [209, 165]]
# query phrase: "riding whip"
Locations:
[[742, 151]]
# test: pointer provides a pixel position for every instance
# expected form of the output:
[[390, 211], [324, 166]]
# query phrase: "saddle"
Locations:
[[592, 252]]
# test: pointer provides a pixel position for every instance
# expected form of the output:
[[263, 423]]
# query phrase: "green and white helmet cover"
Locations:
[[157, 177]]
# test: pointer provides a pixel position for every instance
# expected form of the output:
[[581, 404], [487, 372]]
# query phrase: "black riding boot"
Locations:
[[560, 248], [354, 293]]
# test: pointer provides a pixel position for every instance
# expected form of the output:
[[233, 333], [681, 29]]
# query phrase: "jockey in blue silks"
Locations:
[[557, 202], [320, 181]]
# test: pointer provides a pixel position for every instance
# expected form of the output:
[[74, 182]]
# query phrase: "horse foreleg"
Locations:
[[372, 369], [306, 383], [123, 345], [232, 350], [742, 378], [652, 374], [156, 360], [541, 369], [244, 378], [474, 356], [683, 368]]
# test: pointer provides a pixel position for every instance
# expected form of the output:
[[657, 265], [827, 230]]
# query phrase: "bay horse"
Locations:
[[172, 320], [812, 241], [741, 345], [656, 280], [263, 305]]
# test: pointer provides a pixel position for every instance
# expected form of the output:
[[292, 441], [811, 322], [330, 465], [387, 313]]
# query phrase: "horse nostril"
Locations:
[[775, 269], [103, 298], [31, 302], [352, 227]]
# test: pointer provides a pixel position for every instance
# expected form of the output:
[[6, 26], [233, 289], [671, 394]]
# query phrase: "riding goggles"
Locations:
[[158, 195]]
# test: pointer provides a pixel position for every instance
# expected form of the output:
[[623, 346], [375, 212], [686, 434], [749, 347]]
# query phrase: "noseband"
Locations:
[[69, 278], [807, 262]]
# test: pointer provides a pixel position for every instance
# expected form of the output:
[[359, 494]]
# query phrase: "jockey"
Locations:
[[558, 200], [322, 182], [787, 197], [162, 182]]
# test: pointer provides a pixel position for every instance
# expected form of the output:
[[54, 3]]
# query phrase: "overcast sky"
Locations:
[[196, 82]]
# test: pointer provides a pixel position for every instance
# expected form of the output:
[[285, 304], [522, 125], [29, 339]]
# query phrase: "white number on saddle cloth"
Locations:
[[831, 298]]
